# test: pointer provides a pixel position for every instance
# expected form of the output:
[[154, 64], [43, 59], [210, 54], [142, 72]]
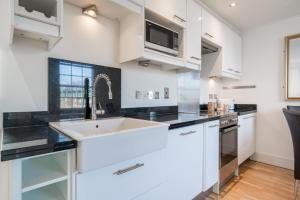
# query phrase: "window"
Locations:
[[71, 84]]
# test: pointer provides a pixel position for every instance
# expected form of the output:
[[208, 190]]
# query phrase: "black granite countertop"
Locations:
[[33, 138], [179, 120]]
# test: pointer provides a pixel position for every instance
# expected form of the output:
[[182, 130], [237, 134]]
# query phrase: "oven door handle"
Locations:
[[229, 129]]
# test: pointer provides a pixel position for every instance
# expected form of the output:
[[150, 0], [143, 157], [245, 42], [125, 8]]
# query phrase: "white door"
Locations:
[[246, 137], [232, 52], [185, 162], [194, 31], [211, 28], [173, 10], [211, 154]]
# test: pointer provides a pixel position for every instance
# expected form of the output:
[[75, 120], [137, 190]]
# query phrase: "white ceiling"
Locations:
[[250, 13]]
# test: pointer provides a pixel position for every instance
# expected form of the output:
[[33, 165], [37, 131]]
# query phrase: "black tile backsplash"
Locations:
[[66, 88]]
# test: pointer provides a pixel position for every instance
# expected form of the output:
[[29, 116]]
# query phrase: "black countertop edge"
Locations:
[[7, 156], [240, 113], [191, 123], [28, 141]]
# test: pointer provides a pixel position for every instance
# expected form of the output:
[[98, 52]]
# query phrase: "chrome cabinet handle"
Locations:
[[213, 126], [123, 171], [188, 133], [229, 69], [248, 117], [195, 58], [237, 72], [211, 36], [182, 20]]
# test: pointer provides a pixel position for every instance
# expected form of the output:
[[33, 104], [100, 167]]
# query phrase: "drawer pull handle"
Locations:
[[213, 126], [123, 171], [180, 19], [195, 58], [188, 133], [248, 117], [211, 36]]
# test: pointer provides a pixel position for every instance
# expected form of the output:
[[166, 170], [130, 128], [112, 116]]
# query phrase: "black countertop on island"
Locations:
[[28, 134]]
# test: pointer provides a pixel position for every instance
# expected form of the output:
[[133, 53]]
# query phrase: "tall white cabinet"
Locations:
[[211, 154], [185, 162], [246, 137], [193, 32]]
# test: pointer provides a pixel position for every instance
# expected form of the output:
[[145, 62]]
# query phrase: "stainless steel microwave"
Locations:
[[161, 39]]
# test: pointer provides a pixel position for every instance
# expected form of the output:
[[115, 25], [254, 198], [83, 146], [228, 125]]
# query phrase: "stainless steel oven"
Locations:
[[228, 146], [161, 39]]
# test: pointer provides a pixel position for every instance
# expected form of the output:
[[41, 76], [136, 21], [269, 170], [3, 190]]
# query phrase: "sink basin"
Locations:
[[108, 141]]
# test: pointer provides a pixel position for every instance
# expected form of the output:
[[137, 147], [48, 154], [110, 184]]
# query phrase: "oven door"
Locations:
[[228, 145], [161, 39]]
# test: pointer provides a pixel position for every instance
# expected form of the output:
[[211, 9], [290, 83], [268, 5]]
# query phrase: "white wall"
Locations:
[[23, 67], [263, 66]]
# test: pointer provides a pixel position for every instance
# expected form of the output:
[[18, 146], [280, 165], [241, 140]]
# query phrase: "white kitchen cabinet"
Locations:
[[126, 180], [246, 137], [211, 154], [42, 177], [193, 32], [212, 28], [232, 52], [227, 61], [184, 163], [173, 10], [40, 20]]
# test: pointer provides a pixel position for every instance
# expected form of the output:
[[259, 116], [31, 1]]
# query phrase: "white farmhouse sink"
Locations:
[[108, 141]]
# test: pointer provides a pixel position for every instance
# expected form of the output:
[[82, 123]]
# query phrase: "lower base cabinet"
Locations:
[[184, 163], [126, 180], [246, 137], [211, 154]]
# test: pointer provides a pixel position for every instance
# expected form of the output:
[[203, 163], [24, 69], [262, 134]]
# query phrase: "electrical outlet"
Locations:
[[166, 93], [156, 95], [150, 95], [138, 94]]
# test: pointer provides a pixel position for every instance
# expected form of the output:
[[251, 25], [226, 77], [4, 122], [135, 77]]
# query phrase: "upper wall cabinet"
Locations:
[[193, 32], [36, 19], [212, 28], [232, 52], [154, 43], [173, 10]]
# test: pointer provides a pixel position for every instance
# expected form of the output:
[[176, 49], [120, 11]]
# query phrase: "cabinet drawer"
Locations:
[[124, 181]]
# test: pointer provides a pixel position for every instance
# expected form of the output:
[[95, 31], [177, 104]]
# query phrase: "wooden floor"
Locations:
[[259, 181]]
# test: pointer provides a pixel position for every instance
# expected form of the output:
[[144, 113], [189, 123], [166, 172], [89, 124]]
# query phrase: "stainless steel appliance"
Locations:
[[228, 147], [161, 39]]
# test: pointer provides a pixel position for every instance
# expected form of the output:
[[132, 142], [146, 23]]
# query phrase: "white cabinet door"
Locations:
[[211, 28], [211, 154], [246, 137], [232, 52], [185, 162], [173, 10], [125, 180], [194, 31]]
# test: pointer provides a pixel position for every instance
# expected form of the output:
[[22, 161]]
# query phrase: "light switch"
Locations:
[[166, 93]]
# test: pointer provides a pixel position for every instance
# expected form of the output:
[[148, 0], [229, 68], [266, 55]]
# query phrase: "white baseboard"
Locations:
[[274, 160]]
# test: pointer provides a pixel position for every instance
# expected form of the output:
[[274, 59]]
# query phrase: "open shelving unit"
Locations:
[[45, 177], [36, 19]]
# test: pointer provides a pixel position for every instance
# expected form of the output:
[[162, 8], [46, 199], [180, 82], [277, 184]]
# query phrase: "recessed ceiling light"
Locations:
[[233, 4], [90, 11]]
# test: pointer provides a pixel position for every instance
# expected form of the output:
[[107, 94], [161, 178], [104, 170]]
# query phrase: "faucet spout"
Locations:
[[94, 103]]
